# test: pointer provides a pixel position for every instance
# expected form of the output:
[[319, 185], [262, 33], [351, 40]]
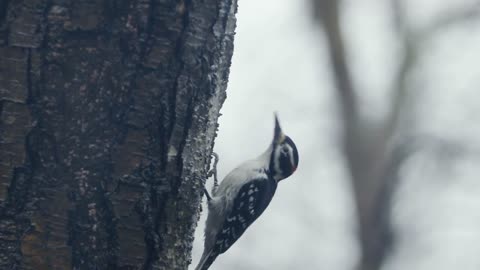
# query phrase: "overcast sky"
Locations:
[[280, 64]]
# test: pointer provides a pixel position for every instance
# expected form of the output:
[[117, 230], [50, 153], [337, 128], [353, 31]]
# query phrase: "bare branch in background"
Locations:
[[329, 16], [409, 55], [463, 15]]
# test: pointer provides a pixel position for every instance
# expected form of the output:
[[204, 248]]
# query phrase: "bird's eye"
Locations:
[[284, 150]]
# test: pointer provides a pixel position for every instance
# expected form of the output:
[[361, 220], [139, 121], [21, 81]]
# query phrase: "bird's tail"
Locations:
[[206, 260]]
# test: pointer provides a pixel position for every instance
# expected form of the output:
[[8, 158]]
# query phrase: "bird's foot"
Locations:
[[213, 172]]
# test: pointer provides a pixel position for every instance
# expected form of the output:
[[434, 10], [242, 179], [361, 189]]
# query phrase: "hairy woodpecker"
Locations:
[[244, 194]]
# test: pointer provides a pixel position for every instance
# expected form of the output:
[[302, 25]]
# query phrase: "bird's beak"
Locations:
[[278, 136]]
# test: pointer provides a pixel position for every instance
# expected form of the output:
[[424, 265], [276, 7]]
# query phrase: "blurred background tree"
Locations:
[[374, 149]]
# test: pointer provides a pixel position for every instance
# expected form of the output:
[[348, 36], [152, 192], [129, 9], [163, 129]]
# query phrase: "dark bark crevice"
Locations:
[[3, 24]]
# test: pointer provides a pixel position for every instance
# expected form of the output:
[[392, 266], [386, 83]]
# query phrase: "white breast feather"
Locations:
[[247, 171]]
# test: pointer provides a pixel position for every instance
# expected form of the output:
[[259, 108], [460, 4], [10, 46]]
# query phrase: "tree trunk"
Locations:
[[108, 116], [372, 165]]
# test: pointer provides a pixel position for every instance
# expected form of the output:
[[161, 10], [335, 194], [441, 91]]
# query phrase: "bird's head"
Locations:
[[284, 155]]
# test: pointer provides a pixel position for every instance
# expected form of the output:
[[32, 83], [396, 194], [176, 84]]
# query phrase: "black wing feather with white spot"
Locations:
[[251, 201]]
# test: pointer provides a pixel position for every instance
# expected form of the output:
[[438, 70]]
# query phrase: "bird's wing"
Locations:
[[250, 202]]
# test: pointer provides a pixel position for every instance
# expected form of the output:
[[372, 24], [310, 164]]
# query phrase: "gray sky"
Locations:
[[280, 64]]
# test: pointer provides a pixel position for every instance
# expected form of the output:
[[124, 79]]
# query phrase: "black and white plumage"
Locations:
[[244, 194]]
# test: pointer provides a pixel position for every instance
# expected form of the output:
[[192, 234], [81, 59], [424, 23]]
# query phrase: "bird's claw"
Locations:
[[213, 172]]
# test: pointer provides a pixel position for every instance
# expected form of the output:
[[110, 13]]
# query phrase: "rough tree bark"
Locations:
[[108, 116]]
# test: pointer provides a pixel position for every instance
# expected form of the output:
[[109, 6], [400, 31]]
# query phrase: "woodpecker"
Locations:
[[244, 194]]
